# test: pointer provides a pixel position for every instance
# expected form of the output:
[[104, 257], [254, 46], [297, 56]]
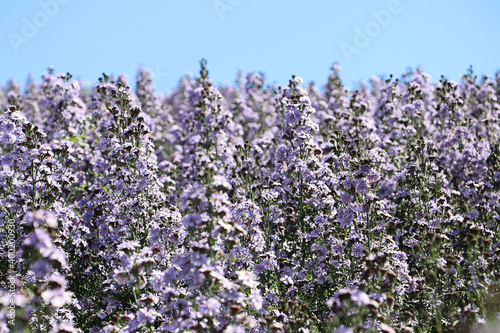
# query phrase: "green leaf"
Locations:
[[76, 138]]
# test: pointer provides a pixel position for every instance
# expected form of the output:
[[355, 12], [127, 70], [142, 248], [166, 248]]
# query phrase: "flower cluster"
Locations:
[[250, 207]]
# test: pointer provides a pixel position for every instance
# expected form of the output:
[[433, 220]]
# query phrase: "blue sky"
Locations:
[[280, 38]]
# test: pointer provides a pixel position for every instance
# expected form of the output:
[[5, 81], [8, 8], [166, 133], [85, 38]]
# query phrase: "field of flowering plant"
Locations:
[[250, 207]]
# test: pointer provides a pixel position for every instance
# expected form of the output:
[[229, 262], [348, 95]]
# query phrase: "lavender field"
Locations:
[[250, 207]]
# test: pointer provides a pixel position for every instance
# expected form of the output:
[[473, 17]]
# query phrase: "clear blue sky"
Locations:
[[280, 38]]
